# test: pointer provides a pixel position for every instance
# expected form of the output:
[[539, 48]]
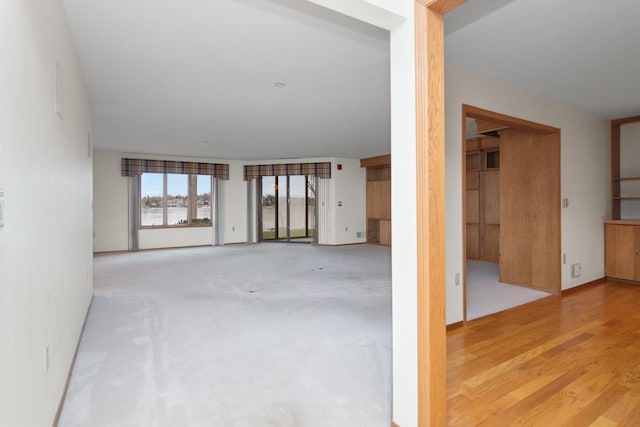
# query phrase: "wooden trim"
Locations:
[[512, 122], [584, 285], [622, 221], [442, 6], [432, 391], [394, 424], [624, 281], [371, 162], [348, 244], [454, 326], [107, 253], [615, 170], [56, 419], [177, 247], [464, 215], [558, 242], [624, 120], [631, 178]]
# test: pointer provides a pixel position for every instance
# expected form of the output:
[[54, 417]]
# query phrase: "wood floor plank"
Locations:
[[570, 360], [603, 422], [626, 410]]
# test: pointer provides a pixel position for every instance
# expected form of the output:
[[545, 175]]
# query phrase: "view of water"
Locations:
[[153, 216]]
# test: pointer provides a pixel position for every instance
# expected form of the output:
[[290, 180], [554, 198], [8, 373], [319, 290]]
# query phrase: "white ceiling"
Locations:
[[165, 76], [584, 53]]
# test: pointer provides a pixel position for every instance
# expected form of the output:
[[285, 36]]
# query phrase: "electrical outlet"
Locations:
[[233, 228], [457, 279], [576, 270], [564, 258], [346, 229], [46, 359]]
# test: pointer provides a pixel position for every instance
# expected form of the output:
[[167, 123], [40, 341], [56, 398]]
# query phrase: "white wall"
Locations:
[[404, 222], [585, 173], [45, 244], [233, 205], [351, 190], [381, 13], [111, 203], [174, 237], [111, 214], [397, 16], [347, 185], [630, 167]]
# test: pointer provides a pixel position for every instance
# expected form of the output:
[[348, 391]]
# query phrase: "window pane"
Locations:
[[297, 209], [177, 200], [268, 207], [311, 205], [281, 186], [203, 201], [152, 202]]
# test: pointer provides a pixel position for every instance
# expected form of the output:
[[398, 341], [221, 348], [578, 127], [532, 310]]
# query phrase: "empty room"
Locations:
[[238, 137], [200, 223]]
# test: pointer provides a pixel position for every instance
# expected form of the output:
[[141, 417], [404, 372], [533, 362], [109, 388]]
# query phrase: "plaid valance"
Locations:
[[133, 167], [321, 170]]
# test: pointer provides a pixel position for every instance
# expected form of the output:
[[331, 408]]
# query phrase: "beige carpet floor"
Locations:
[[256, 335], [486, 295]]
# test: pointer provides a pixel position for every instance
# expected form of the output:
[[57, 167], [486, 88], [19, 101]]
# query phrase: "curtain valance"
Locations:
[[133, 167], [321, 170]]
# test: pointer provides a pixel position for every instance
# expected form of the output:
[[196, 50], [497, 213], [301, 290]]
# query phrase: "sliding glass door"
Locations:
[[288, 208]]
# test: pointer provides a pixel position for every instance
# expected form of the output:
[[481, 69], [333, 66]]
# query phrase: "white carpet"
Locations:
[[258, 335], [485, 295]]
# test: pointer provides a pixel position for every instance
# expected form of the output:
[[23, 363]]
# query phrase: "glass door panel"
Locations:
[[269, 208], [297, 211], [311, 206], [288, 208], [281, 191]]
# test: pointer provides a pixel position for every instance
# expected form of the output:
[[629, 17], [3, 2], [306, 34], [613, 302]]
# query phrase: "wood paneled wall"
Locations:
[[378, 199], [482, 189]]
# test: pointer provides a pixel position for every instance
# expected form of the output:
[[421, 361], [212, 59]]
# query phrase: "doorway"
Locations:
[[511, 209], [287, 211]]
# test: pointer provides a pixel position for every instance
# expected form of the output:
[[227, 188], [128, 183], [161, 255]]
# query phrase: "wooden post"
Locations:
[[432, 397]]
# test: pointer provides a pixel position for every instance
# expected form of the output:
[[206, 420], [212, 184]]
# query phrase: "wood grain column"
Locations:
[[430, 161]]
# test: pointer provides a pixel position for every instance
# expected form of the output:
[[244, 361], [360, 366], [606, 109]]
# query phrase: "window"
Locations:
[[177, 199], [174, 200], [152, 203]]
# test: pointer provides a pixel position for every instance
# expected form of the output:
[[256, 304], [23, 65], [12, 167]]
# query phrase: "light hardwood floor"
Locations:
[[571, 360]]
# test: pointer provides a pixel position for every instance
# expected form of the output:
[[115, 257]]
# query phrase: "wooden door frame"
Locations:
[[430, 203], [469, 111]]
